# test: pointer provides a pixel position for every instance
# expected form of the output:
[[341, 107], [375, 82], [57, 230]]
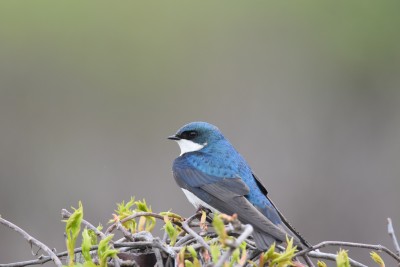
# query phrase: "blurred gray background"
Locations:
[[308, 93]]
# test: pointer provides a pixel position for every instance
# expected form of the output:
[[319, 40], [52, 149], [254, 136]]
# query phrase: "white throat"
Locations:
[[189, 146]]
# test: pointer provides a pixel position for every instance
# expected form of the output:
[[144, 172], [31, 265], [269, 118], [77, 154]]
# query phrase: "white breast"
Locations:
[[197, 202], [188, 146]]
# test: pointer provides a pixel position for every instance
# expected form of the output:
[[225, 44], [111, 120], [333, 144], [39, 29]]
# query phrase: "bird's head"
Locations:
[[196, 135]]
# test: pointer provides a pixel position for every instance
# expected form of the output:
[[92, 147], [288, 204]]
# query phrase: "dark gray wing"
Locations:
[[227, 195]]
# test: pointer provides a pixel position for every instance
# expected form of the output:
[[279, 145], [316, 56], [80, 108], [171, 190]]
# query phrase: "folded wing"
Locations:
[[227, 195]]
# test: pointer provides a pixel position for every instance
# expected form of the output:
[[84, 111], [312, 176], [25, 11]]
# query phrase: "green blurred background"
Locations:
[[307, 91]]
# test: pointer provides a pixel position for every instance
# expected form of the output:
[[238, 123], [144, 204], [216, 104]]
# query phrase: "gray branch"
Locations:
[[393, 236], [349, 244], [144, 240], [190, 231], [31, 240], [332, 257], [248, 230]]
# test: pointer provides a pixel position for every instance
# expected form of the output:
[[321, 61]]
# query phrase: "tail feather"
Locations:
[[298, 238], [262, 239]]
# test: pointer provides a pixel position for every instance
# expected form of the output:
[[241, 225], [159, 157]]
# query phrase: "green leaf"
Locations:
[[86, 244], [193, 253], [130, 225], [235, 257], [93, 236], [188, 263], [150, 221], [170, 230], [142, 206], [375, 256], [181, 256], [215, 252], [125, 210], [270, 254], [321, 264], [72, 229], [285, 258], [219, 227], [105, 251], [342, 259], [243, 258]]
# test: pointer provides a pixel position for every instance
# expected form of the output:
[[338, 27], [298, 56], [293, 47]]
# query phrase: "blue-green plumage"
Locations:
[[213, 171]]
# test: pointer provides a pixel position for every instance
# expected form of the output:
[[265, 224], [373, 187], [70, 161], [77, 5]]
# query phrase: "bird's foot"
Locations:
[[201, 208]]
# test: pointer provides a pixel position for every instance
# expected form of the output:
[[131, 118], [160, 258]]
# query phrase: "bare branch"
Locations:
[[31, 240], [163, 252], [308, 260], [248, 230], [128, 235], [158, 258], [26, 263], [349, 244], [184, 240], [393, 236], [185, 226], [332, 257], [44, 259], [155, 243]]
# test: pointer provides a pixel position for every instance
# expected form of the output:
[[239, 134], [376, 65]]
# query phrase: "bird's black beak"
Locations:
[[174, 137]]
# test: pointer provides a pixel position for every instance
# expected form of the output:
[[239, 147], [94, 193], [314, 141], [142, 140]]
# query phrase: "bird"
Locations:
[[213, 175]]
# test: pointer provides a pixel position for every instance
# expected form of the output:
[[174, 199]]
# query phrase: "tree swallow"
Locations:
[[212, 174]]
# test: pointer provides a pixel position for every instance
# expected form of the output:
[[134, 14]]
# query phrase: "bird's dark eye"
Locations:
[[189, 135]]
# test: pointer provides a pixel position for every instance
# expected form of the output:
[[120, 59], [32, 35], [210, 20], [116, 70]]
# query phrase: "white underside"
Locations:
[[197, 202], [188, 146]]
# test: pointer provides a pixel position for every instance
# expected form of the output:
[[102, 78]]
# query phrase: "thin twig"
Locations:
[[168, 263], [143, 240], [140, 236], [308, 260], [143, 244], [158, 258], [332, 257], [26, 263], [393, 236], [190, 231], [31, 240], [116, 262], [349, 244], [44, 259], [183, 240], [248, 230], [127, 263], [191, 240], [128, 235]]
